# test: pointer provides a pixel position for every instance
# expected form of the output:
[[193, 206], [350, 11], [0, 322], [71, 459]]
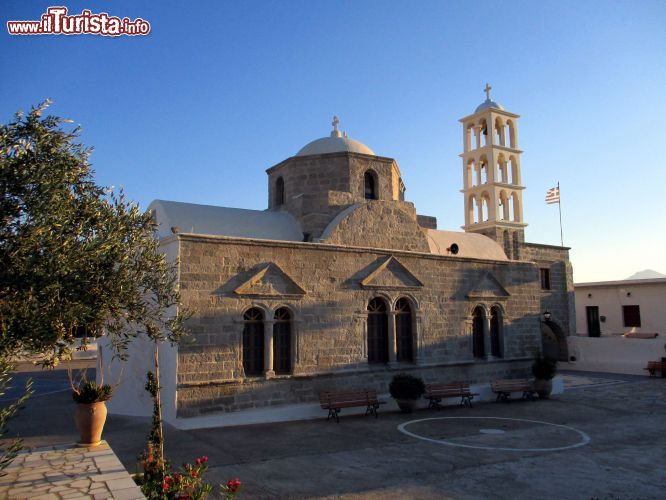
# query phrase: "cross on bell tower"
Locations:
[[487, 90], [492, 188]]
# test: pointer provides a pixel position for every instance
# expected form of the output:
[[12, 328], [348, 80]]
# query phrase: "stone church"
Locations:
[[340, 283]]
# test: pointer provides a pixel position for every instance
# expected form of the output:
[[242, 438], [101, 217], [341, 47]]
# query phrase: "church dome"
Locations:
[[488, 104], [335, 143]]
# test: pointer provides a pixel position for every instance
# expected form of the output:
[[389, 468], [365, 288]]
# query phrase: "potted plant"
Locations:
[[406, 390], [90, 413], [543, 369]]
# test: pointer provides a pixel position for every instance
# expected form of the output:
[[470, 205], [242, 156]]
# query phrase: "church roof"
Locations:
[[335, 143], [224, 221], [471, 245], [488, 104]]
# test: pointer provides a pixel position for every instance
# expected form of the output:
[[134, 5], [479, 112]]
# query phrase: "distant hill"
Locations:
[[646, 275]]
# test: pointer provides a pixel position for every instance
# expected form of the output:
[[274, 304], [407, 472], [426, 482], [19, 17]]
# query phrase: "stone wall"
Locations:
[[318, 187], [329, 326], [380, 224], [559, 300], [427, 221]]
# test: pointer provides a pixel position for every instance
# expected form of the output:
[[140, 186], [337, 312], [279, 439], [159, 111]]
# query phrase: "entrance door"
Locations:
[[593, 326]]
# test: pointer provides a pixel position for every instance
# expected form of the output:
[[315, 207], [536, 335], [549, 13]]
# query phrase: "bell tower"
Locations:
[[492, 188]]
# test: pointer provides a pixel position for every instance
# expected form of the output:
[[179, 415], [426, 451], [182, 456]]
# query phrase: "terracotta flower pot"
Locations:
[[543, 388], [89, 419], [406, 405]]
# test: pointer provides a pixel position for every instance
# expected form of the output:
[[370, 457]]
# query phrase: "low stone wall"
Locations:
[[615, 354]]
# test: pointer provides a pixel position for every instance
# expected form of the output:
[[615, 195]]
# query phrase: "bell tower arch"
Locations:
[[492, 185]]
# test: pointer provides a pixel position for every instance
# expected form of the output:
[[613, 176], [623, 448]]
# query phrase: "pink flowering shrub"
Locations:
[[231, 489], [188, 482]]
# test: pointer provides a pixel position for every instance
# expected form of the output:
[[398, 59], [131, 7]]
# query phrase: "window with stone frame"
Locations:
[[403, 331], [631, 316], [282, 332], [253, 342], [478, 345], [377, 331], [370, 183], [545, 278], [496, 333], [279, 191]]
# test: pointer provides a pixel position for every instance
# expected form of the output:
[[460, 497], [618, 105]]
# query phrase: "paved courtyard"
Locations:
[[603, 438]]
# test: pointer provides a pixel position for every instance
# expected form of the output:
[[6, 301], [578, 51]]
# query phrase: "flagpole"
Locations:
[[559, 206]]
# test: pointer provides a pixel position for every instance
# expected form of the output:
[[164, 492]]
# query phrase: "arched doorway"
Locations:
[[553, 341], [477, 332], [377, 331], [403, 331]]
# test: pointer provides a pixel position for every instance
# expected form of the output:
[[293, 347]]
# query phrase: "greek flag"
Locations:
[[553, 195]]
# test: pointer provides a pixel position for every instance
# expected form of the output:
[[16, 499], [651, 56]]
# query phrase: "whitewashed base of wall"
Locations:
[[312, 411]]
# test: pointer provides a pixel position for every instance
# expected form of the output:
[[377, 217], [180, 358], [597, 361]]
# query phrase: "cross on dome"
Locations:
[[487, 90], [335, 132]]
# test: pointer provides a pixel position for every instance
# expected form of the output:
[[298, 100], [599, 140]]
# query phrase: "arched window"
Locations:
[[484, 132], [499, 132], [282, 341], [477, 332], [403, 331], [515, 205], [513, 170], [279, 191], [377, 331], [253, 342], [483, 172], [484, 211], [496, 332], [370, 188], [505, 213], [512, 134]]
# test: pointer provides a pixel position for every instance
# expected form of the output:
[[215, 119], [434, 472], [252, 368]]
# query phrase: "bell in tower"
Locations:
[[492, 188]]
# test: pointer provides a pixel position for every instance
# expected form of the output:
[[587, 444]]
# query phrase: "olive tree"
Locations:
[[74, 256]]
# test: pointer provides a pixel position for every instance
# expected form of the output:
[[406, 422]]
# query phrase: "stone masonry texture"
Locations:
[[329, 320]]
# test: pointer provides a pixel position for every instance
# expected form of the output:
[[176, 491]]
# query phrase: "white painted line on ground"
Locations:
[[585, 439]]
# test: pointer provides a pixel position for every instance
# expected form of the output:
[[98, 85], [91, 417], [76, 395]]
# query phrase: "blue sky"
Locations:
[[219, 91]]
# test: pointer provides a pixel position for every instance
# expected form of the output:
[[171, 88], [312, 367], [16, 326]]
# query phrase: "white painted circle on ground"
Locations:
[[584, 438]]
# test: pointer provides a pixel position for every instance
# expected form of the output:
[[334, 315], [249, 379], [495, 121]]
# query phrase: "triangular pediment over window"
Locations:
[[270, 281], [391, 275], [488, 287]]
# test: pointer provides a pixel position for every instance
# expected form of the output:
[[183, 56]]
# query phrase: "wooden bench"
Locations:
[[504, 388], [335, 401], [655, 366], [436, 392]]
